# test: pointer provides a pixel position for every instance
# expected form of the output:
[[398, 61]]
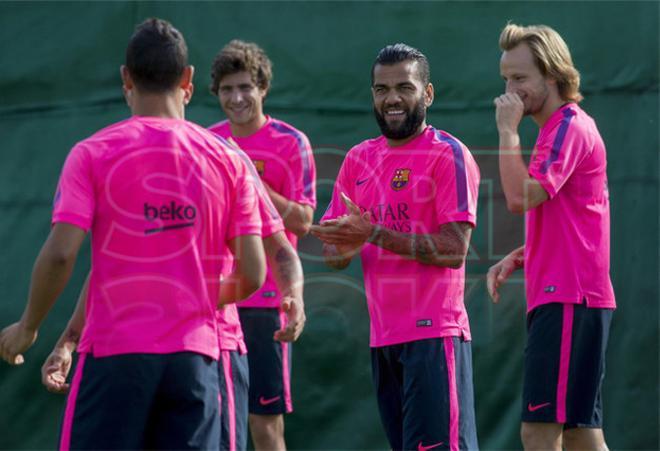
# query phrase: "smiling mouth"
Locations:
[[395, 113]]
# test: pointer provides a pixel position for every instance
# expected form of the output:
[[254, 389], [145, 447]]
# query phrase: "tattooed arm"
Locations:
[[447, 248], [56, 368], [287, 271]]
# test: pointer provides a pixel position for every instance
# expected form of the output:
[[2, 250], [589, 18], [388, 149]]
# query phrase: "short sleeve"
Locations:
[[557, 154], [336, 207], [74, 201], [244, 217], [270, 217], [457, 181], [302, 170]]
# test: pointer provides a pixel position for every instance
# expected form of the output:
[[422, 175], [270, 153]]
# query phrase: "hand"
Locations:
[[55, 370], [295, 313], [349, 232], [14, 340], [509, 110], [498, 274]]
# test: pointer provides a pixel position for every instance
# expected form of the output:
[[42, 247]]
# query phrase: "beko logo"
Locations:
[[169, 212]]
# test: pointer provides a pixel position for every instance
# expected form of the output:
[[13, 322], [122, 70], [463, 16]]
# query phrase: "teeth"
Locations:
[[394, 112]]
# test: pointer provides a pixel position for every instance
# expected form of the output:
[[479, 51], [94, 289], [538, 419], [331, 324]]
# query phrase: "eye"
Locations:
[[379, 89]]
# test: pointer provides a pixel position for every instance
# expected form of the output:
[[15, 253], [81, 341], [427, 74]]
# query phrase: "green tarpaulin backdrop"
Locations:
[[59, 83]]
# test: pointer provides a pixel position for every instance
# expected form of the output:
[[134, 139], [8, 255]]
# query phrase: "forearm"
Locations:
[[285, 265], [234, 288], [50, 275], [446, 249], [71, 335], [518, 257], [513, 171], [297, 218]]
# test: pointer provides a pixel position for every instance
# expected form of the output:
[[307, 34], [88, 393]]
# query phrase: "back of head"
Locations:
[[241, 56], [397, 53], [550, 53], [156, 56]]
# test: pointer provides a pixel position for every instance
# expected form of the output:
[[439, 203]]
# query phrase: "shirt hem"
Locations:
[[448, 332]]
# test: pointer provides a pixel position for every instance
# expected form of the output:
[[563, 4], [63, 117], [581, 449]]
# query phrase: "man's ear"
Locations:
[[186, 83], [127, 84], [126, 77], [429, 95]]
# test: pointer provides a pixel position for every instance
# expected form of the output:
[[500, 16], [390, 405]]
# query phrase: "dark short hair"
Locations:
[[397, 53], [239, 56], [156, 56]]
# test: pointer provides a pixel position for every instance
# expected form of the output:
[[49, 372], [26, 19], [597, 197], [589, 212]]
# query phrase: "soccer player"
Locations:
[[232, 365], [282, 155], [406, 201], [563, 193], [166, 204]]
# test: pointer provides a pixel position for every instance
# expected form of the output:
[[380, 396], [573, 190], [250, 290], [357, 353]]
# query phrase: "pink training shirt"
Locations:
[[162, 197], [283, 158], [230, 333], [567, 239], [413, 189]]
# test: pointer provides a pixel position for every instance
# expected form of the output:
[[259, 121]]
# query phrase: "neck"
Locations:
[[551, 104], [407, 139], [249, 128], [158, 105]]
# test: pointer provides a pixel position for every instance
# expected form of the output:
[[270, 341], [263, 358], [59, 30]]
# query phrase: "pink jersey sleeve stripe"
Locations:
[[461, 175], [70, 409], [304, 155], [559, 140]]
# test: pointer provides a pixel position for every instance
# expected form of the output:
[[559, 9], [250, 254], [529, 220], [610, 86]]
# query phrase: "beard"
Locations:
[[536, 101], [414, 118]]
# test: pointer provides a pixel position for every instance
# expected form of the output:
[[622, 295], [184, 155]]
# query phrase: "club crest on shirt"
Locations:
[[260, 165], [400, 179]]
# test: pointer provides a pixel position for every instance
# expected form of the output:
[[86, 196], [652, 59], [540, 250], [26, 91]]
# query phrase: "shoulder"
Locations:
[[106, 137], [221, 128], [282, 131]]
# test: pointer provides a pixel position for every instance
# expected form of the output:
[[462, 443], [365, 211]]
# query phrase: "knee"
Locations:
[[584, 439], [541, 436], [267, 425]]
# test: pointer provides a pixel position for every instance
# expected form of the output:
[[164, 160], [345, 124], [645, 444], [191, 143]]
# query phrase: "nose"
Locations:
[[236, 96], [392, 97]]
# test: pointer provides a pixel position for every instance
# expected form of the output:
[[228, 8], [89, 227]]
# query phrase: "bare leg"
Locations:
[[267, 432], [541, 436], [583, 439]]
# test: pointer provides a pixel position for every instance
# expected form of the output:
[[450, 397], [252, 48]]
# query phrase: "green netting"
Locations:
[[60, 82]]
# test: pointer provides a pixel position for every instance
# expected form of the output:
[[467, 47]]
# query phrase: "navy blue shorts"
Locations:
[[234, 380], [565, 365], [425, 394], [143, 401], [269, 360]]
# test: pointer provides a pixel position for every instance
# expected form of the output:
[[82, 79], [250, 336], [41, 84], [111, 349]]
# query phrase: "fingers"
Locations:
[[354, 209], [492, 283], [295, 321]]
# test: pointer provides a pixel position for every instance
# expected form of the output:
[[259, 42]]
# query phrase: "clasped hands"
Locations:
[[347, 233]]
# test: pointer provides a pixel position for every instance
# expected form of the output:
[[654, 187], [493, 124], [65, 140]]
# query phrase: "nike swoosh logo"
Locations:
[[532, 408], [360, 182], [420, 447], [264, 402]]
